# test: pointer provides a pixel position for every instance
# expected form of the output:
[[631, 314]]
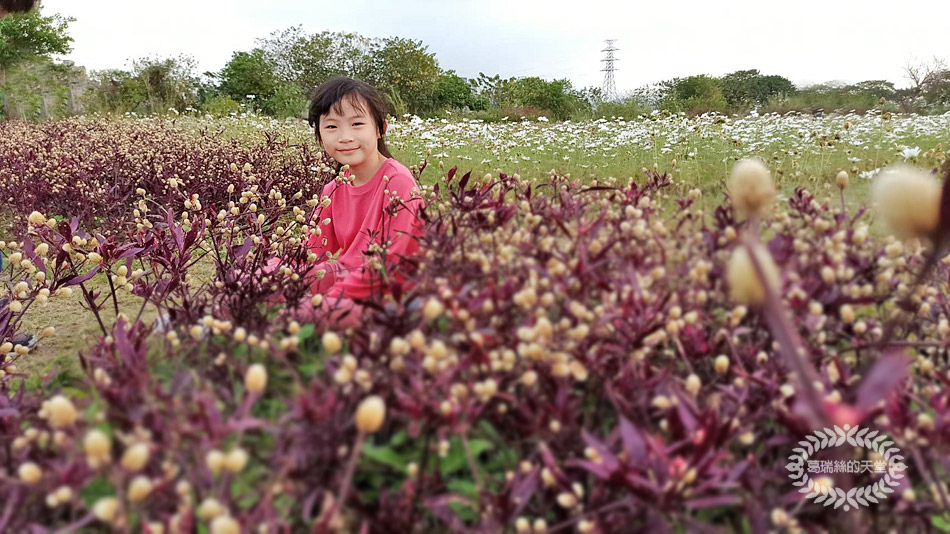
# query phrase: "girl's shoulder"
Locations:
[[400, 177], [395, 170]]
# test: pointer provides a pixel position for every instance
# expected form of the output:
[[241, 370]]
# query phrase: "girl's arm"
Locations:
[[326, 243], [402, 229]]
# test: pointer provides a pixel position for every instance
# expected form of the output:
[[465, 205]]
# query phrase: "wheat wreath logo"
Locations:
[[889, 464]]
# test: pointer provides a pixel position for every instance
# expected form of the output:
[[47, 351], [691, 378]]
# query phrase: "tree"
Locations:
[[248, 73], [456, 92], [169, 82], [407, 73], [30, 36], [309, 60], [694, 94], [489, 87], [114, 90], [749, 87], [557, 96], [873, 88], [924, 75], [929, 81], [26, 36]]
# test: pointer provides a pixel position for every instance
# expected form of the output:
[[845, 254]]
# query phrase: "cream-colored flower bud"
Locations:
[[64, 494], [37, 219], [62, 412], [236, 460], [693, 384], [417, 340], [210, 508], [432, 309], [215, 460], [662, 402], [97, 445], [567, 500], [841, 180], [49, 331], [139, 488], [751, 187], [196, 331], [225, 524], [370, 414], [745, 286], [106, 509], [847, 314], [135, 457], [30, 473], [399, 347], [331, 342], [42, 249], [779, 517], [721, 364], [909, 200], [255, 379]]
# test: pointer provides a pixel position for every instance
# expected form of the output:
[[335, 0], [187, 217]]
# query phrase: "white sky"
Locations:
[[807, 41]]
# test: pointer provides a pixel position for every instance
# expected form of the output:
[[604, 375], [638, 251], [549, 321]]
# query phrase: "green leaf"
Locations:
[[96, 490], [464, 511], [455, 460], [386, 456], [463, 488], [306, 332], [399, 438], [941, 522]]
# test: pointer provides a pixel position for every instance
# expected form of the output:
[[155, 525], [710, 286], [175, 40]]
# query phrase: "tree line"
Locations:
[[276, 76]]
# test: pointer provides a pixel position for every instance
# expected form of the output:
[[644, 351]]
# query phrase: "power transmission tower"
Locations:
[[610, 88]]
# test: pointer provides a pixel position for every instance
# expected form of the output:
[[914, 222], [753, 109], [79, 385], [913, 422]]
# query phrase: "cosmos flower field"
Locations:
[[612, 326]]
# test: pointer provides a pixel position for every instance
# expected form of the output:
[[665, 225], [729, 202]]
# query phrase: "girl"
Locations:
[[349, 120]]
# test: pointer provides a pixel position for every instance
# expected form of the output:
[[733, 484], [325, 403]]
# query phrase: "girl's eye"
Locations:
[[330, 127], [357, 124]]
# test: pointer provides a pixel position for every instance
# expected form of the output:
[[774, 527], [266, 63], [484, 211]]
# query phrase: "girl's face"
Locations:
[[350, 137]]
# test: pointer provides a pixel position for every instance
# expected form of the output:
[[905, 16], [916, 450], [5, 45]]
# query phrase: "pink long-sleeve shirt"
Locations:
[[357, 218]]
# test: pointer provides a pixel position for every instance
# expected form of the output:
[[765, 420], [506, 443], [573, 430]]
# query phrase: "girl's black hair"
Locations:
[[17, 6], [360, 94]]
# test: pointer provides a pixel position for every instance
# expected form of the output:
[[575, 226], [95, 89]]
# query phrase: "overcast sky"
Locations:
[[807, 41]]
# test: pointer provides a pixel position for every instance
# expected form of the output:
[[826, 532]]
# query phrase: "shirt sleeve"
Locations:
[[403, 227]]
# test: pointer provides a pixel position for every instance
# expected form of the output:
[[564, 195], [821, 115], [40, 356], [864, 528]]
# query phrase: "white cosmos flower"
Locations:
[[908, 152]]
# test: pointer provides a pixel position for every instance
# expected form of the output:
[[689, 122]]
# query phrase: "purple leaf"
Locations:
[[633, 442], [712, 502], [889, 370], [76, 280]]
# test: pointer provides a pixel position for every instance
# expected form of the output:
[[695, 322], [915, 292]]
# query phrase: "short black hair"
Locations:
[[359, 93], [17, 6]]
